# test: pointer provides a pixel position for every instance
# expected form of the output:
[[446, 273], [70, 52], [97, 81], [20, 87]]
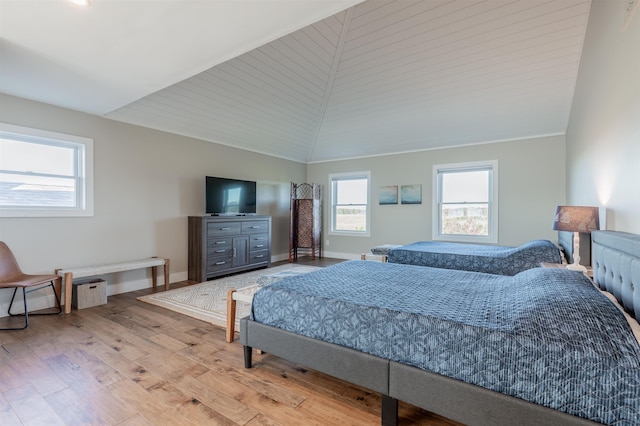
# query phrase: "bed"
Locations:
[[476, 257], [580, 363]]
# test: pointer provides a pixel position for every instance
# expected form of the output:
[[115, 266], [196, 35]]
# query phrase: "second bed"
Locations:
[[500, 260]]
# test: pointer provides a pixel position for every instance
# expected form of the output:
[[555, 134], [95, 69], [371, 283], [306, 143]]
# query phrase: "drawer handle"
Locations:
[[224, 229], [234, 252], [255, 227], [220, 251], [259, 256], [221, 263], [259, 245], [221, 242]]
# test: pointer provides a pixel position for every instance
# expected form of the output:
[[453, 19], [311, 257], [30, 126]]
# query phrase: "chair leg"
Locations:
[[26, 310], [26, 313], [55, 294]]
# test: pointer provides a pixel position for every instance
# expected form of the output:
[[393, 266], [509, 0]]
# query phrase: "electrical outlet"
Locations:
[[326, 243]]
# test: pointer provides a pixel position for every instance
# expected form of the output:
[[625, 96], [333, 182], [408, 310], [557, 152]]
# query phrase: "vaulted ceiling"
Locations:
[[379, 77]]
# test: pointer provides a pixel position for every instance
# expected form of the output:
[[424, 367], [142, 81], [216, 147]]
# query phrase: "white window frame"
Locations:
[[491, 165], [333, 199], [83, 172]]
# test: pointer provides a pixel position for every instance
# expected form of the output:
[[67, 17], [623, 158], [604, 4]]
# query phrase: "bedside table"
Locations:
[[588, 273]]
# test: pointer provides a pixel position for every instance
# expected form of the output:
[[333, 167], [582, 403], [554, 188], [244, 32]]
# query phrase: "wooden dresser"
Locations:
[[221, 245]]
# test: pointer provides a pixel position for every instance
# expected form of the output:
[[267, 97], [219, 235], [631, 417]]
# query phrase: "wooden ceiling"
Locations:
[[384, 77]]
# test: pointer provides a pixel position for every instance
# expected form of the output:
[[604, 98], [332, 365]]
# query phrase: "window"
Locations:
[[466, 202], [350, 203], [44, 174]]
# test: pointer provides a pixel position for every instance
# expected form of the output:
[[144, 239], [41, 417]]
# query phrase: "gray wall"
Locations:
[[603, 137], [146, 184], [531, 184]]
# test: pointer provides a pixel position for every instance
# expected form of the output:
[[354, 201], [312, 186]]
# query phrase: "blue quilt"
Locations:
[[547, 336], [475, 257]]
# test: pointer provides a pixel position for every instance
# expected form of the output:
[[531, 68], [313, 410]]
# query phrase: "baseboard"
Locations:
[[338, 255], [35, 303]]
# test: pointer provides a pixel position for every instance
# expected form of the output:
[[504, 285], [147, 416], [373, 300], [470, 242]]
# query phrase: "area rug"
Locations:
[[207, 301]]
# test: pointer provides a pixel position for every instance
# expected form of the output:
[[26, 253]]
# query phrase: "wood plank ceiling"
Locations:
[[387, 76]]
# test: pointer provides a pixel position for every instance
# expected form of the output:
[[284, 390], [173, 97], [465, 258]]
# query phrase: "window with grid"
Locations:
[[466, 202], [350, 203], [44, 174]]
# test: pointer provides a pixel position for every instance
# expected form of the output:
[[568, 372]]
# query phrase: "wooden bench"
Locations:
[[89, 271]]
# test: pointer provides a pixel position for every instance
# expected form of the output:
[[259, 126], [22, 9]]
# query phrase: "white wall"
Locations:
[[531, 184], [603, 137], [146, 184]]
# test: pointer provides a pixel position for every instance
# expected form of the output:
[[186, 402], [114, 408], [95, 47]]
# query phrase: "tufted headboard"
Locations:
[[616, 267]]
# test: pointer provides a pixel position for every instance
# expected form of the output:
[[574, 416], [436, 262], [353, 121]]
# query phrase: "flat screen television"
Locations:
[[228, 197]]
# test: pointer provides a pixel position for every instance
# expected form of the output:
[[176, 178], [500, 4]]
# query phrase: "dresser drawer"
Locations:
[[220, 252], [218, 264], [258, 242], [219, 243], [255, 227], [225, 228], [259, 256]]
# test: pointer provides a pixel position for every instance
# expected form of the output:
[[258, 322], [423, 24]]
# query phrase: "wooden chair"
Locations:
[[11, 276]]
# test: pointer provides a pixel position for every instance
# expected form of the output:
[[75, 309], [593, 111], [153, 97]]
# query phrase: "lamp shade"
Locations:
[[576, 219]]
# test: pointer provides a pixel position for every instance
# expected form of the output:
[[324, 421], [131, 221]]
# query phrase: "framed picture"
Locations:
[[411, 194], [388, 195]]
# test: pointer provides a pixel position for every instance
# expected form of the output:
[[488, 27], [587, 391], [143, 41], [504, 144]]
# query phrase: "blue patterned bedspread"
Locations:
[[475, 257], [547, 336]]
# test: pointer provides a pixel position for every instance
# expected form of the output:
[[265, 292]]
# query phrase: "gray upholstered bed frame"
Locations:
[[617, 269]]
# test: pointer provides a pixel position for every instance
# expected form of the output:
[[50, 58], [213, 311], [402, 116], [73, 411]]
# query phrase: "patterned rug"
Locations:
[[207, 301]]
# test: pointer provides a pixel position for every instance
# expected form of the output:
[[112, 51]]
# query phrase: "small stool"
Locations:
[[243, 295], [378, 253], [371, 256]]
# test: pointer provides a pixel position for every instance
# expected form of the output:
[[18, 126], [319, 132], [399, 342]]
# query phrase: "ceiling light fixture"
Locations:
[[81, 2]]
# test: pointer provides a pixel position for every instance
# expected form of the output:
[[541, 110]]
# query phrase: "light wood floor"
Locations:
[[131, 363]]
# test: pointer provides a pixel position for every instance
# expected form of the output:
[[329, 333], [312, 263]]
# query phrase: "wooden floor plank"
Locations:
[[334, 412], [137, 420], [212, 397], [31, 408], [36, 371], [102, 402], [171, 367], [233, 381], [139, 398], [75, 410]]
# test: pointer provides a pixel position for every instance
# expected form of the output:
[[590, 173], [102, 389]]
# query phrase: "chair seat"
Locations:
[[25, 280]]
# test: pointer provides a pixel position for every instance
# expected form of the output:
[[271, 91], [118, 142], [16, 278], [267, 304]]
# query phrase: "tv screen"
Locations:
[[230, 196]]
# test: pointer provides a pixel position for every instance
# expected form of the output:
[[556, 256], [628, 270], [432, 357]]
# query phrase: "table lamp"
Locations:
[[576, 219]]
